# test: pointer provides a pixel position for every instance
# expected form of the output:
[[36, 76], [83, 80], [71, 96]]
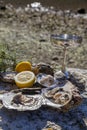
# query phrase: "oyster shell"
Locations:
[[57, 96], [45, 80], [42, 68], [52, 126], [7, 77], [64, 96], [60, 76], [84, 94], [22, 101]]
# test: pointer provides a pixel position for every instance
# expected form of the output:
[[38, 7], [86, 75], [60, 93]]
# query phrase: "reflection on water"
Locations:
[[59, 4]]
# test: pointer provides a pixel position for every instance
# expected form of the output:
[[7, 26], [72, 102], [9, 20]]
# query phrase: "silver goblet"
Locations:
[[66, 41]]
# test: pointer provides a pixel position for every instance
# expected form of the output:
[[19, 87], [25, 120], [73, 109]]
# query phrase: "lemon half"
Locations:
[[23, 66], [25, 79]]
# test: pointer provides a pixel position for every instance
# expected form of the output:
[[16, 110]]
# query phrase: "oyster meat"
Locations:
[[61, 98], [58, 96], [75, 101], [47, 80], [21, 99], [49, 93]]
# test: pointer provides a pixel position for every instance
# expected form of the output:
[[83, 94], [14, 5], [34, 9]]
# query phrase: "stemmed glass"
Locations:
[[66, 41]]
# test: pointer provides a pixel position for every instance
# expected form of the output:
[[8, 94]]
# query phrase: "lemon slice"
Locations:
[[23, 66], [25, 79]]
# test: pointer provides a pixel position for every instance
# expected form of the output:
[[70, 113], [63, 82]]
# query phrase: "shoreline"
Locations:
[[58, 4]]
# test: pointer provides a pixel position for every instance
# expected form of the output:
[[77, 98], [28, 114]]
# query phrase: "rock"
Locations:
[[81, 11], [35, 5], [79, 78], [42, 40], [54, 58], [2, 6]]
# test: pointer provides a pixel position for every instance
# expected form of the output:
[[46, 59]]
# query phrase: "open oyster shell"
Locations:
[[57, 97], [45, 80], [22, 100], [54, 94]]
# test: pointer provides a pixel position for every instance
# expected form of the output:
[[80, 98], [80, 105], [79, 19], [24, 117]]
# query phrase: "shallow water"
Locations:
[[59, 4]]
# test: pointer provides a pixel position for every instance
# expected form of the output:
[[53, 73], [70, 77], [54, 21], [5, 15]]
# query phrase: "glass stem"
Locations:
[[64, 60]]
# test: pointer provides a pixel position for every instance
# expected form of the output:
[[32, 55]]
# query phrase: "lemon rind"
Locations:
[[23, 62]]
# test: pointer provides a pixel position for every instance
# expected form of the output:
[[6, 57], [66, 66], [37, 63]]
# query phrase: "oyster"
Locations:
[[57, 96], [63, 96], [22, 101], [43, 68], [52, 126], [45, 80], [7, 77]]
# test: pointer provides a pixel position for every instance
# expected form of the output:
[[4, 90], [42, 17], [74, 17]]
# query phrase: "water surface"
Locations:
[[59, 4]]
